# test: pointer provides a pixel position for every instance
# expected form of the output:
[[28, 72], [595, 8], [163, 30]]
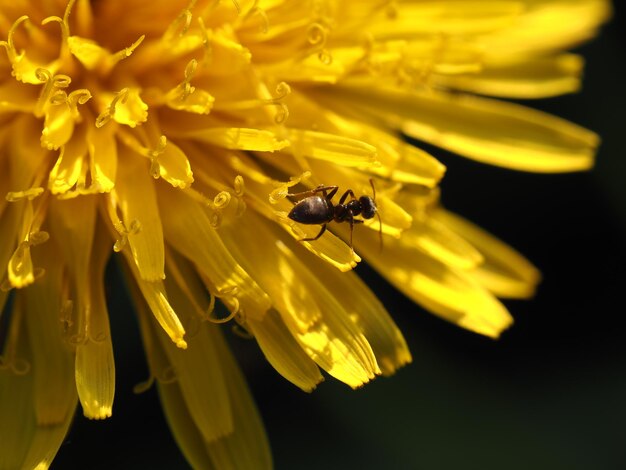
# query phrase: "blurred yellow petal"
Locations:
[[540, 77], [504, 271], [450, 293], [489, 131], [95, 366]]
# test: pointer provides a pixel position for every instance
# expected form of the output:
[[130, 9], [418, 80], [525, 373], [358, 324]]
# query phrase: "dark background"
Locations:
[[550, 394]]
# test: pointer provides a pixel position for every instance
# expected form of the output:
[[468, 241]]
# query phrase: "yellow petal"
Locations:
[[58, 126], [69, 167], [25, 442], [95, 366], [246, 448], [17, 418], [174, 166], [188, 228], [450, 293], [52, 359], [9, 228], [14, 97], [262, 189], [198, 369], [494, 132], [227, 56], [39, 404], [155, 296], [367, 312], [87, 51], [183, 427], [103, 157], [237, 138], [330, 147], [135, 197], [448, 18], [283, 351], [20, 269], [437, 240], [546, 27], [504, 271], [313, 316], [540, 77], [125, 107], [72, 228]]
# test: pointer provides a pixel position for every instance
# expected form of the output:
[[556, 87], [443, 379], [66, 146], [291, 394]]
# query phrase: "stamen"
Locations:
[[9, 44], [282, 189], [151, 154], [80, 96], [144, 386], [317, 36], [222, 200], [184, 19], [118, 225], [98, 339], [255, 10], [239, 186], [52, 84], [126, 52], [112, 60], [179, 279], [66, 315], [241, 331], [182, 91], [134, 229], [65, 27], [239, 192], [106, 115], [229, 317], [78, 339], [211, 307], [167, 375], [206, 43], [227, 295], [38, 237], [20, 264], [282, 91], [192, 326], [28, 194]]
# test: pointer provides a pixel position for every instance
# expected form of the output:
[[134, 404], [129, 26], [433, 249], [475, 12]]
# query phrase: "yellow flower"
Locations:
[[172, 132]]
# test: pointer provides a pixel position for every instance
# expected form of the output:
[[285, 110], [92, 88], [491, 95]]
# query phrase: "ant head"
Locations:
[[371, 209], [368, 207]]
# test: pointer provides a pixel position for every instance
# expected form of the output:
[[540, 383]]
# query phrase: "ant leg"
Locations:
[[380, 232], [315, 237], [353, 221], [320, 189], [345, 195]]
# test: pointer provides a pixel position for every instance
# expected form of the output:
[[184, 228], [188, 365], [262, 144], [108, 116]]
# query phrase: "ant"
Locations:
[[315, 209]]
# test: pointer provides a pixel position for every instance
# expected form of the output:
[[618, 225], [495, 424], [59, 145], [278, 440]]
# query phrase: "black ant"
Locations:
[[315, 209]]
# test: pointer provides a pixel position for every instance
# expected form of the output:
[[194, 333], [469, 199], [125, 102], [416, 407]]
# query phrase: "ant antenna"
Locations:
[[380, 222]]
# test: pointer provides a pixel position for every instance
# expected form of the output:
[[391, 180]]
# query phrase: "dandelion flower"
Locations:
[[172, 132]]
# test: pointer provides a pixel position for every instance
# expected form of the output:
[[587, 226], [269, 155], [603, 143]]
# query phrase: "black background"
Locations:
[[550, 394]]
